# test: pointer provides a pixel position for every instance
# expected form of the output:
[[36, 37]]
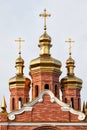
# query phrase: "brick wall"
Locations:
[[42, 78], [47, 111]]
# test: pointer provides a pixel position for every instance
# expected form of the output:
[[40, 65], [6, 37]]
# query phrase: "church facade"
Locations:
[[46, 111]]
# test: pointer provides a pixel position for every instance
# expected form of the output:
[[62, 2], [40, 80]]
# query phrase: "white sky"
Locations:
[[20, 18]]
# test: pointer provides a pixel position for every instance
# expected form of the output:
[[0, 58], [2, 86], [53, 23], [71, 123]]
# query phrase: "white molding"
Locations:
[[29, 106], [42, 124], [11, 116]]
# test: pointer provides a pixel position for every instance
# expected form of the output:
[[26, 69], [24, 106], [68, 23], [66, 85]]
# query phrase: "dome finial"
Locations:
[[44, 15], [70, 41], [19, 61], [19, 41], [70, 62]]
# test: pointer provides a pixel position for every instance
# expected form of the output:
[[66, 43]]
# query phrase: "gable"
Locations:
[[46, 107]]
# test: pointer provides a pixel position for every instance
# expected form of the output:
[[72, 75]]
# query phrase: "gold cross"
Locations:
[[69, 41], [44, 15], [19, 41]]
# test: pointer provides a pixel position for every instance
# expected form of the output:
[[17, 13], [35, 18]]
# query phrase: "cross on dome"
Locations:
[[45, 15], [19, 41], [70, 41]]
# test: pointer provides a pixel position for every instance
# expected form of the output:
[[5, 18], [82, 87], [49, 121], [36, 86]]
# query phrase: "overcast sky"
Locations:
[[20, 18]]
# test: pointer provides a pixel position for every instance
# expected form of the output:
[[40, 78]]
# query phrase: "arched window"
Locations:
[[13, 103], [65, 100], [72, 102], [46, 86], [27, 100], [20, 102], [56, 90], [79, 102], [47, 128], [36, 91]]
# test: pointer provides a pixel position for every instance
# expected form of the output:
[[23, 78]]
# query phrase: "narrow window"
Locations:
[[27, 100], [56, 91], [79, 103], [20, 103], [72, 102], [46, 86], [36, 90], [65, 100], [13, 101]]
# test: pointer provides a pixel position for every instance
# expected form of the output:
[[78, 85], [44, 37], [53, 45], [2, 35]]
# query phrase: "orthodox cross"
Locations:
[[70, 41], [45, 15], [19, 41]]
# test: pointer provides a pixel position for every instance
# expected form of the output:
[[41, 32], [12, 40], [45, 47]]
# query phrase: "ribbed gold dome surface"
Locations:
[[71, 81], [19, 82], [45, 63]]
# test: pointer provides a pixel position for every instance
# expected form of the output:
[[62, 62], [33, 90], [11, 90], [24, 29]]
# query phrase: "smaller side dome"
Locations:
[[70, 66], [19, 60], [70, 61], [71, 80], [19, 82], [19, 64]]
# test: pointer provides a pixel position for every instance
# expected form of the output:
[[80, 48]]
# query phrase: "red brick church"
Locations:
[[46, 110]]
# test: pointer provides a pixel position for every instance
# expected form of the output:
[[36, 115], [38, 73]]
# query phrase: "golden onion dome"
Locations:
[[19, 60], [19, 82], [70, 61], [45, 63], [70, 66], [45, 44], [19, 64], [71, 82], [45, 37], [45, 60]]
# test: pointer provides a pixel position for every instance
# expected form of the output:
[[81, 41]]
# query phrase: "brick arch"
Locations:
[[46, 128]]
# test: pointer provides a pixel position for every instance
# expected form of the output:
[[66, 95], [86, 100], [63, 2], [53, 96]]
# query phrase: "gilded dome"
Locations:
[[45, 63], [19, 60], [71, 81], [45, 37], [70, 61], [19, 82]]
